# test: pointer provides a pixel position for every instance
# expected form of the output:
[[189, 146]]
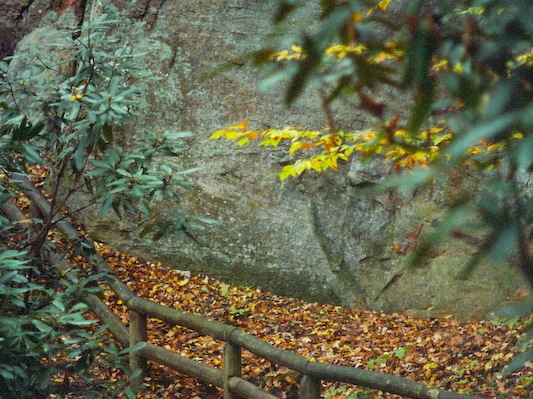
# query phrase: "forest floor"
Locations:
[[454, 355]]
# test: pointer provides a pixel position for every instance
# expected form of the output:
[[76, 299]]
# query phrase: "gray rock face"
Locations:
[[19, 17], [325, 237]]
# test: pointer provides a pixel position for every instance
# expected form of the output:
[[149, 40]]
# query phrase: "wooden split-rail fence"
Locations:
[[236, 340]]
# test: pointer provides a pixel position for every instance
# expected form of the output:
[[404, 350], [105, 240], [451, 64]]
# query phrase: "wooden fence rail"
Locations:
[[229, 379]]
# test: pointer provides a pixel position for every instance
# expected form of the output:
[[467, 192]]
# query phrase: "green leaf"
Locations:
[[75, 319], [523, 154], [400, 352], [106, 204], [146, 230], [107, 132], [74, 111], [134, 348], [129, 392], [113, 86], [276, 78], [59, 304], [505, 242], [124, 173], [419, 53], [422, 107], [119, 109], [79, 306], [28, 131], [31, 153], [207, 220], [306, 67], [79, 156], [45, 328], [8, 375], [12, 276], [178, 135], [224, 289]]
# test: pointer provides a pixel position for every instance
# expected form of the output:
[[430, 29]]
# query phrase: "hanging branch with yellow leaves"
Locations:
[[405, 143]]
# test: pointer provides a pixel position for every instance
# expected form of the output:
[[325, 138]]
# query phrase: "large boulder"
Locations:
[[327, 237], [19, 17]]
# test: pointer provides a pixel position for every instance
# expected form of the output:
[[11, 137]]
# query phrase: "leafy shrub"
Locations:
[[45, 346], [62, 104]]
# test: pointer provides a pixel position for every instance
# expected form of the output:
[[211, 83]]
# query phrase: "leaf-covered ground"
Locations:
[[460, 356]]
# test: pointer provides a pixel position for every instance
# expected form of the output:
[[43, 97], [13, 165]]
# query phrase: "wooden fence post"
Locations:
[[232, 367], [309, 388], [138, 332]]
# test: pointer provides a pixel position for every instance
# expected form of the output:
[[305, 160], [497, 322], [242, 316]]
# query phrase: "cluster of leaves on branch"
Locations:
[[403, 141], [407, 151], [62, 106], [47, 350]]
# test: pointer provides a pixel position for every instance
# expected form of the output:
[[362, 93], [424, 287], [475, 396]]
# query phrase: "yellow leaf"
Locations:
[[295, 146], [296, 49], [286, 172], [494, 147], [430, 365], [357, 17], [419, 156], [442, 64], [231, 135], [474, 151], [183, 282], [218, 134], [281, 55], [382, 5], [242, 125], [76, 97]]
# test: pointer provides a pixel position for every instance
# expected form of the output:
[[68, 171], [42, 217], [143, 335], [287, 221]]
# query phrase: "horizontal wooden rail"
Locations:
[[229, 379], [248, 390], [380, 381], [183, 364]]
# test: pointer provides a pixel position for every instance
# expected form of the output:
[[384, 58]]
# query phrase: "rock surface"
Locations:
[[19, 17], [323, 237]]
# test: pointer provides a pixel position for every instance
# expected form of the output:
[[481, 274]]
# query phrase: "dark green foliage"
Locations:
[[483, 93], [44, 345], [62, 103]]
